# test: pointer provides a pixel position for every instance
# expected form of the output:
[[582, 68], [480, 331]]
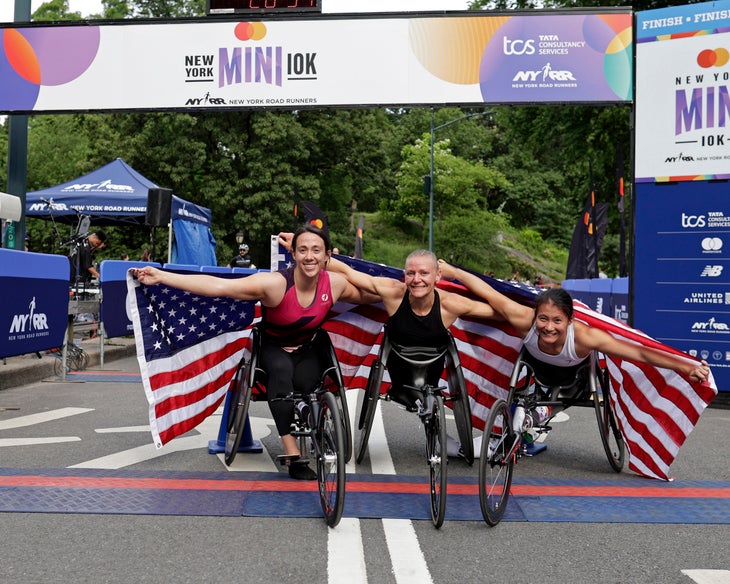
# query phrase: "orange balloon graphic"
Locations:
[[243, 31], [246, 31], [723, 56], [21, 56], [706, 58]]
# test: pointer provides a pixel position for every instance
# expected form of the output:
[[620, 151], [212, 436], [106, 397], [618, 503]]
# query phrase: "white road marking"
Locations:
[[380, 459], [406, 557], [33, 419], [122, 430], [708, 576], [36, 441], [345, 553], [409, 565], [254, 461], [207, 427]]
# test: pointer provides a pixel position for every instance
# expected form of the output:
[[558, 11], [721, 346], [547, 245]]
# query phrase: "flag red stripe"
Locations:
[[196, 367], [189, 423]]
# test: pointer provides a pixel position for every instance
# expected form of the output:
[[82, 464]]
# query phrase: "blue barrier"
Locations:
[[620, 299], [247, 271], [216, 270], [580, 290], [600, 293], [181, 267], [113, 283], [34, 316], [609, 296]]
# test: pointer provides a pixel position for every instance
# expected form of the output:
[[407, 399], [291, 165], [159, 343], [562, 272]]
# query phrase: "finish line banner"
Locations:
[[465, 58], [682, 99]]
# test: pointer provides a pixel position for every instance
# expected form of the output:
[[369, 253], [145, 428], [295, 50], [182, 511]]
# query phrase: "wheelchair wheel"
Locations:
[[346, 427], [613, 441], [239, 398], [367, 403], [496, 462], [330, 446], [435, 426]]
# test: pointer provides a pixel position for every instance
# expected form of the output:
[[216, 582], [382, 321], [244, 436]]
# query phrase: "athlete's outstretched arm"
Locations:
[[518, 315]]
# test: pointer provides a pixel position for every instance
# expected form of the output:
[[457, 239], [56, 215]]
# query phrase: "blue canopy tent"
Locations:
[[116, 194]]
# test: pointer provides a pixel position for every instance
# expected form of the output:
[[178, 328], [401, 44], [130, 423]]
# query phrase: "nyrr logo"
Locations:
[[546, 74], [711, 326], [518, 47], [32, 321], [711, 272], [206, 100], [693, 221]]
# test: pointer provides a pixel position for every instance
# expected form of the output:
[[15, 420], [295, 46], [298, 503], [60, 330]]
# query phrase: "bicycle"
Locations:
[[585, 384], [76, 359], [319, 424]]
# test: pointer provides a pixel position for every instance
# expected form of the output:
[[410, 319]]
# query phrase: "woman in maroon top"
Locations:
[[295, 303]]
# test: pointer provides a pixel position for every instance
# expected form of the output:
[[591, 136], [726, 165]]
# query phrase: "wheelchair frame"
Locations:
[[502, 442], [321, 421], [431, 411]]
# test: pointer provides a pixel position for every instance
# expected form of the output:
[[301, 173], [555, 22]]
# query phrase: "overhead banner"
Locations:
[[682, 99], [468, 59]]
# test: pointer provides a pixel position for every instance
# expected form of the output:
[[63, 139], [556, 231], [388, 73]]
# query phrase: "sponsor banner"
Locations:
[[318, 62], [682, 269], [682, 98], [34, 311]]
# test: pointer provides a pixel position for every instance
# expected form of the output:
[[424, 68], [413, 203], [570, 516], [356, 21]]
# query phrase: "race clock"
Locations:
[[262, 6]]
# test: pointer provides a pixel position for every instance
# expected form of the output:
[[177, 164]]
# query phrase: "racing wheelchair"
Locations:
[[427, 401], [321, 419], [534, 385]]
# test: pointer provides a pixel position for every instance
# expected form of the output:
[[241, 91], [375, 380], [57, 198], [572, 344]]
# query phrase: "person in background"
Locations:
[[243, 259], [87, 270], [146, 256], [124, 257]]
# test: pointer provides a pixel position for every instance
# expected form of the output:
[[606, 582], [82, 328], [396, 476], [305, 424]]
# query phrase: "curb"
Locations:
[[26, 369]]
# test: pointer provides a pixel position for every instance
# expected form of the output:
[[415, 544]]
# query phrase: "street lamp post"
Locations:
[[431, 169]]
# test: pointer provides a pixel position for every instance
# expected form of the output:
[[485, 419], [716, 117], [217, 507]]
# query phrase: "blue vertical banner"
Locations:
[[682, 269], [34, 310]]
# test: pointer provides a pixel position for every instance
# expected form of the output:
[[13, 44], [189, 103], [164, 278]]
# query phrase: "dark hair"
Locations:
[[559, 297], [101, 235], [309, 228]]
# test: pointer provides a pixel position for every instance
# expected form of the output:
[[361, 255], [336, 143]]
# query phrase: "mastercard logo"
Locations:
[[318, 223], [250, 31], [713, 58]]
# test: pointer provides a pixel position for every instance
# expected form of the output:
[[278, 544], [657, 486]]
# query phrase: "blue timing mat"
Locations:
[[628, 500]]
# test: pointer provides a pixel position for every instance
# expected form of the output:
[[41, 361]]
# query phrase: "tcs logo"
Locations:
[[693, 220], [518, 47]]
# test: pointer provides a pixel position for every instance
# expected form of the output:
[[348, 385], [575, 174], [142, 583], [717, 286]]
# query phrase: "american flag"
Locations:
[[656, 408], [188, 347]]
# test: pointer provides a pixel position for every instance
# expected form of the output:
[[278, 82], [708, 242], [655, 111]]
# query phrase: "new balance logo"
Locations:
[[711, 272]]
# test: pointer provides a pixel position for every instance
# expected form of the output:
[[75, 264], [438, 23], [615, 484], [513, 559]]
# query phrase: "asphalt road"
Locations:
[[53, 425]]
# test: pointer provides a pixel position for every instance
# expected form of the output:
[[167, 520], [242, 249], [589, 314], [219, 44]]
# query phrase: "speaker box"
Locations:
[[159, 207]]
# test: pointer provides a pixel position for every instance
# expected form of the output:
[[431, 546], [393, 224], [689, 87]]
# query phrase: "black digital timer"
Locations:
[[262, 6]]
